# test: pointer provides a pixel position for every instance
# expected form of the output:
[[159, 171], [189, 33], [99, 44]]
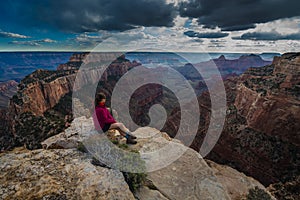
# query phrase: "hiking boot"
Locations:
[[130, 141], [131, 136]]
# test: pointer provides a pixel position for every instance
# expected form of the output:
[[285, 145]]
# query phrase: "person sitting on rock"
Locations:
[[104, 120]]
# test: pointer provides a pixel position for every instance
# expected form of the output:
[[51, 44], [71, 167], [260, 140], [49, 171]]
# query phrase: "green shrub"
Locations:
[[123, 146], [115, 141], [134, 180], [258, 194], [82, 148]]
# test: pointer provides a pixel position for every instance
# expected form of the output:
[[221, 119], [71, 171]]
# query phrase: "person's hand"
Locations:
[[115, 114]]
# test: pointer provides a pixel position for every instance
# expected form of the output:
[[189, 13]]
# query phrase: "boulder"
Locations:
[[58, 174], [80, 129], [188, 177]]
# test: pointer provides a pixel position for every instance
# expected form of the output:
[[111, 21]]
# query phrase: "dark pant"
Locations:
[[106, 127]]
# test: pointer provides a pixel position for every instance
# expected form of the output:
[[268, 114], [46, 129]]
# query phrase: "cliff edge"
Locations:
[[61, 171]]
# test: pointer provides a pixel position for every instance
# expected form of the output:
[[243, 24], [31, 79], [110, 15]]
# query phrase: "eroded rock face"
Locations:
[[58, 174], [261, 131], [269, 100], [271, 114], [41, 95], [44, 99], [288, 64]]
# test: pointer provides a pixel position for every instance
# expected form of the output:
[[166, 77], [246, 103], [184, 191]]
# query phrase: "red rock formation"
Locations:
[[260, 96], [43, 94], [274, 115], [43, 89]]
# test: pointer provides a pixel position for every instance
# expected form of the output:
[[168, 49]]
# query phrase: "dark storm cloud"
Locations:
[[267, 36], [238, 27], [205, 34], [93, 15], [232, 15]]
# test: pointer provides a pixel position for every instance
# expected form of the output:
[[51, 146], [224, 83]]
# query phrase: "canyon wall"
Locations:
[[42, 106], [261, 132]]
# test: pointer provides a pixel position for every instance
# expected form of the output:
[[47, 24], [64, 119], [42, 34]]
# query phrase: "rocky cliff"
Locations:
[[60, 171], [43, 89], [272, 91], [44, 98], [259, 137], [261, 132]]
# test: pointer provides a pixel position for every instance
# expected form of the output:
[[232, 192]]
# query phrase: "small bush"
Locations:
[[258, 194], [123, 146], [115, 141], [82, 148], [134, 180]]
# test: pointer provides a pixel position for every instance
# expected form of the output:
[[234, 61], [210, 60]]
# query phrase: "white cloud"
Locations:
[[28, 43], [282, 26], [33, 42], [180, 21], [173, 39], [175, 2], [47, 40], [12, 35]]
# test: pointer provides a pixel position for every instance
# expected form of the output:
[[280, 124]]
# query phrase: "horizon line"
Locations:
[[86, 51]]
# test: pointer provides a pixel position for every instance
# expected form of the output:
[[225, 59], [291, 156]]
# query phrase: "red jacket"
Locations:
[[101, 117]]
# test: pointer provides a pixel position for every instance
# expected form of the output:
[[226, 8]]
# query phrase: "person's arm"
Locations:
[[105, 117]]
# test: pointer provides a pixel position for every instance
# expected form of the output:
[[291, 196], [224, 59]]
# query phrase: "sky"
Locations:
[[254, 26]]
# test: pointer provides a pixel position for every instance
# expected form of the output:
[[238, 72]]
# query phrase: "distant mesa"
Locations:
[[222, 57]]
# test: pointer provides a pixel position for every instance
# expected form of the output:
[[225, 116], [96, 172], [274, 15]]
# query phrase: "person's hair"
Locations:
[[99, 97]]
